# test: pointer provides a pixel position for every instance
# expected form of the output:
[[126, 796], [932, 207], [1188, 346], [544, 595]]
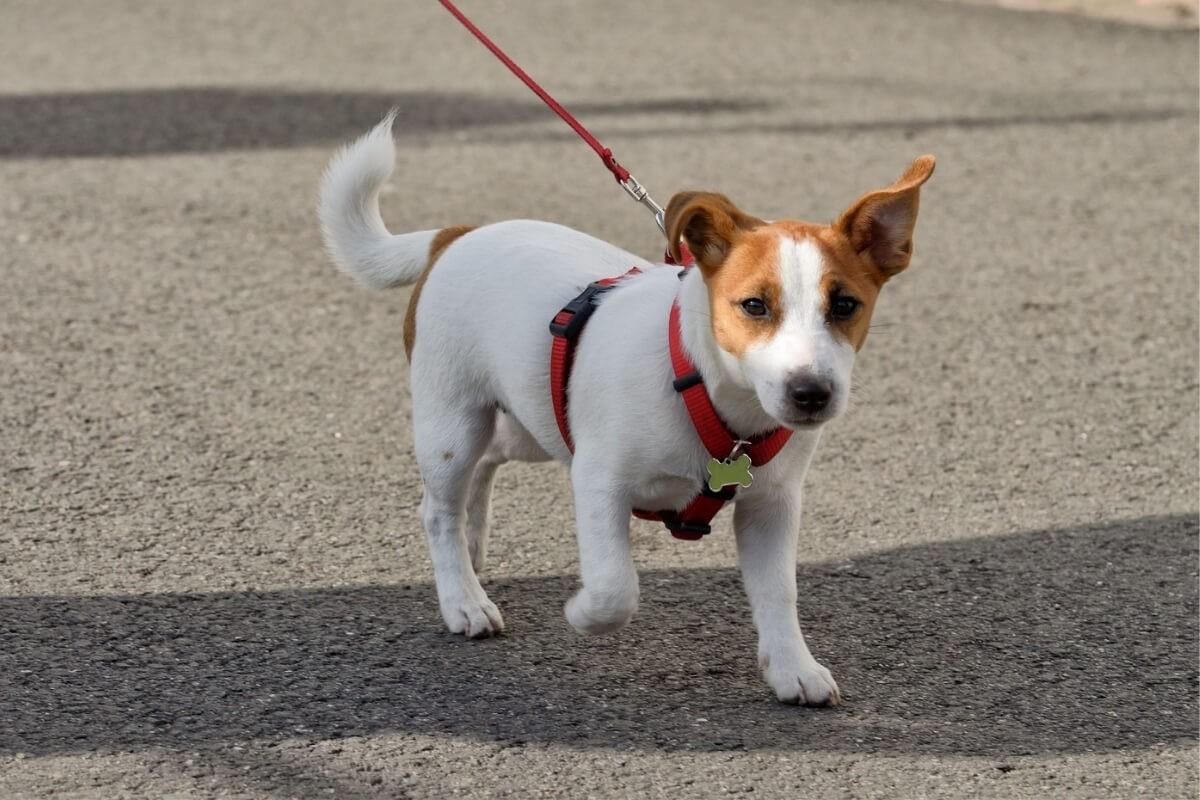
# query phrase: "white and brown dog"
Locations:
[[772, 318]]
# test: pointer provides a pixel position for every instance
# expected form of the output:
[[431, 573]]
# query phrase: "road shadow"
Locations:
[[1055, 641], [140, 122], [906, 126]]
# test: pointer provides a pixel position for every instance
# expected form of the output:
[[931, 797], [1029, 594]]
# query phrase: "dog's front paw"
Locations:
[[593, 615], [475, 618], [802, 682]]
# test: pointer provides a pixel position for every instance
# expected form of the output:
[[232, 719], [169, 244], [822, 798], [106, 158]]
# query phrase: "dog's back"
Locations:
[[486, 295]]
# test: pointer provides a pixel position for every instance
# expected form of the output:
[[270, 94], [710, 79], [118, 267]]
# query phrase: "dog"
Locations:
[[772, 316]]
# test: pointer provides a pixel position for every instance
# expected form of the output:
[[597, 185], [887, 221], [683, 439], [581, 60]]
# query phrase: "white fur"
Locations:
[[349, 210], [804, 341], [480, 383]]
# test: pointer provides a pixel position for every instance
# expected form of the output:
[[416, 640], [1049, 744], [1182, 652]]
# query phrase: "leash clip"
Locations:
[[639, 193]]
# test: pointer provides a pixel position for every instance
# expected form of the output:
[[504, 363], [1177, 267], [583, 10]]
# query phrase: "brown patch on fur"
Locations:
[[880, 224], [738, 255], [709, 223], [736, 259], [751, 269], [441, 240], [850, 274]]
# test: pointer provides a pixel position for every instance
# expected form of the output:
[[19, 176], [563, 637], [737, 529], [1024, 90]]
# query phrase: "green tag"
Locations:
[[729, 473]]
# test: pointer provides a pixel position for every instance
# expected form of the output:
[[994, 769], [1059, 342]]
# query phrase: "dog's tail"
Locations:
[[353, 231]]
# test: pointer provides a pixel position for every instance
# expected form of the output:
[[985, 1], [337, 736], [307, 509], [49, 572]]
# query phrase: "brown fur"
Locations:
[[734, 255], [888, 247], [710, 224], [738, 255], [750, 270], [850, 274], [441, 240]]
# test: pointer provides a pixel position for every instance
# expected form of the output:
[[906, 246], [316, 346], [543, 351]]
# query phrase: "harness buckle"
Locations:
[[682, 529], [580, 309]]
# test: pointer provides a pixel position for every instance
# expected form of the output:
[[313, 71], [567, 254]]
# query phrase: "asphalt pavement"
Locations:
[[213, 582]]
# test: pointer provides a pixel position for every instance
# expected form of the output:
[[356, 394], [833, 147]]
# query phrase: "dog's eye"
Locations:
[[843, 306], [754, 307]]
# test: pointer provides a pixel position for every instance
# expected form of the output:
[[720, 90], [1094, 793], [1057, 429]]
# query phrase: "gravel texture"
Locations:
[[213, 583]]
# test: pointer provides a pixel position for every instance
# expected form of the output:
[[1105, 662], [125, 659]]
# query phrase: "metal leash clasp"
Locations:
[[639, 193], [627, 181]]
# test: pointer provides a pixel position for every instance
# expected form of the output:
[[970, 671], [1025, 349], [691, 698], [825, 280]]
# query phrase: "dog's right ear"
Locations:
[[708, 223]]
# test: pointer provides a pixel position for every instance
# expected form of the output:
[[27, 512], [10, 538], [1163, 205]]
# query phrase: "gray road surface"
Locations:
[[212, 578]]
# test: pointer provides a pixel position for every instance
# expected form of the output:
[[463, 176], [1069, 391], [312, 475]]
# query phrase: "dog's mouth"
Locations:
[[807, 421]]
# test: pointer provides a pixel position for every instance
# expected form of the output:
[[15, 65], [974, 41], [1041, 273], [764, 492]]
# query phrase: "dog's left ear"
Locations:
[[709, 223], [880, 225]]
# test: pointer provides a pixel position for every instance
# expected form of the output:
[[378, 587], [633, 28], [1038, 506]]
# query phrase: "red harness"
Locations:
[[694, 520]]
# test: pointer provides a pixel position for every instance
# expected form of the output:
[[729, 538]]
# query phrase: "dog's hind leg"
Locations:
[[479, 505], [450, 436], [510, 442]]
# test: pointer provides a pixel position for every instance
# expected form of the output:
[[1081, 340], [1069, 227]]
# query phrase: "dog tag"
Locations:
[[730, 472]]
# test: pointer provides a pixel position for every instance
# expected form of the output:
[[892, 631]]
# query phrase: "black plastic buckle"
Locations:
[[580, 309], [687, 381], [697, 529]]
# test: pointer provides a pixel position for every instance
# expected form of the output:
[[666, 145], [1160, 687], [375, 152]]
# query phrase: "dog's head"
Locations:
[[790, 301]]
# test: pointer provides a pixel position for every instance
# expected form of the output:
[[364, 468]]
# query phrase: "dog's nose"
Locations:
[[809, 394]]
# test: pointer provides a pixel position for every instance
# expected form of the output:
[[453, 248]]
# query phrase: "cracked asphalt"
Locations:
[[213, 582]]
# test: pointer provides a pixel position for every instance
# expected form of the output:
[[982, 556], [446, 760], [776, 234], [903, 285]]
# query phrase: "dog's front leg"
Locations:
[[767, 530], [609, 596]]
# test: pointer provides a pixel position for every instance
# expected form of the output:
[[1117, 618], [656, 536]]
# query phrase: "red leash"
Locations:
[[627, 181], [693, 521]]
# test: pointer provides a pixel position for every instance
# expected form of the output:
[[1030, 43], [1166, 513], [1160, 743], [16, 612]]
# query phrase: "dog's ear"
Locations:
[[708, 223], [880, 225]]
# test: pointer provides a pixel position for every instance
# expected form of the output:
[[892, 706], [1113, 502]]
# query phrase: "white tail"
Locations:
[[354, 232]]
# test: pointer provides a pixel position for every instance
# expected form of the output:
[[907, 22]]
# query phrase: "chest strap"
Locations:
[[565, 328], [694, 520]]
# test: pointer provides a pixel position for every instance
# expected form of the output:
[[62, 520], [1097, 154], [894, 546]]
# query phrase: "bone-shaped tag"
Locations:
[[729, 473]]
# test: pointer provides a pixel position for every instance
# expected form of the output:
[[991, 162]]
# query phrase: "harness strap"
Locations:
[[715, 436], [565, 329], [694, 520]]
